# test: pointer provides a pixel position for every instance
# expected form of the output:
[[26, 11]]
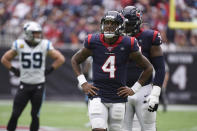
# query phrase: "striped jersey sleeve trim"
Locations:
[[89, 38], [154, 35], [15, 44], [132, 42], [48, 45]]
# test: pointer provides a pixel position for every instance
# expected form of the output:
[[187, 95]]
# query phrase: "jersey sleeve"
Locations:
[[49, 45], [15, 45], [87, 41], [134, 44], [156, 40]]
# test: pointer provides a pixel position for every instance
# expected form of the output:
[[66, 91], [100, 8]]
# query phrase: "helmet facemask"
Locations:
[[131, 27], [110, 28], [111, 24], [34, 37], [33, 33], [133, 20]]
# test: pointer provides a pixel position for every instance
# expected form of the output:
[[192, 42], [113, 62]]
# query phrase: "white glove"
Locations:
[[153, 99]]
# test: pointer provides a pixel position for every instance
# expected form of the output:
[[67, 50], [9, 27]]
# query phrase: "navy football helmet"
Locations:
[[133, 20], [111, 24]]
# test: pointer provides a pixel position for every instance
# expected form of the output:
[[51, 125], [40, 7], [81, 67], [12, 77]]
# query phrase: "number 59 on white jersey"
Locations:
[[32, 60]]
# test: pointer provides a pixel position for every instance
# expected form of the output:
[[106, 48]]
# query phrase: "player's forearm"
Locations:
[[147, 67], [76, 66], [7, 58], [58, 62], [79, 58], [6, 62], [145, 75]]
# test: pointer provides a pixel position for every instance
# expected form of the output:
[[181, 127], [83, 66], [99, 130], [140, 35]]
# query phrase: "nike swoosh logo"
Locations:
[[145, 95]]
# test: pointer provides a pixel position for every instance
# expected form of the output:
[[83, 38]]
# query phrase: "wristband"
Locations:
[[16, 71], [12, 69], [136, 87], [49, 70], [81, 79]]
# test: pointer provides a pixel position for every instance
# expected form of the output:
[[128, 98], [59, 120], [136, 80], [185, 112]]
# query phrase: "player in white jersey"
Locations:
[[32, 52]]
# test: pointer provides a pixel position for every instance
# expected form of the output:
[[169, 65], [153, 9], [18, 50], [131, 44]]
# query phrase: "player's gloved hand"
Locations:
[[15, 71], [125, 91], [153, 99], [49, 70], [89, 89]]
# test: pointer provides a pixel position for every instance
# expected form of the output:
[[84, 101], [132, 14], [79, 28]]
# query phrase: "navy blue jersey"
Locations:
[[110, 64], [146, 39]]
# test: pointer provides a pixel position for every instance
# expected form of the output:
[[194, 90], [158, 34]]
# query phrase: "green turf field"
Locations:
[[73, 116]]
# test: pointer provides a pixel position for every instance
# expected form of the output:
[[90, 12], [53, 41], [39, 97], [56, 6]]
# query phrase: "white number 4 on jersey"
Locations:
[[109, 66]]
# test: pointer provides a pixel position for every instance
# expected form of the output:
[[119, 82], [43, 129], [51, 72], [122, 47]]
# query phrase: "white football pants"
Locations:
[[136, 106], [106, 115]]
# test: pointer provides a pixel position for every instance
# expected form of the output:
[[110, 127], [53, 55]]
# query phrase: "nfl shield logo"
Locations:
[[110, 48], [122, 48]]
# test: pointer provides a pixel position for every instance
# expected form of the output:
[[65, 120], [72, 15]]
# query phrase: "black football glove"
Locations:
[[150, 109], [15, 71], [49, 70]]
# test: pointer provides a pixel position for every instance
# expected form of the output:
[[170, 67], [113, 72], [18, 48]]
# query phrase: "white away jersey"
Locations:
[[32, 60]]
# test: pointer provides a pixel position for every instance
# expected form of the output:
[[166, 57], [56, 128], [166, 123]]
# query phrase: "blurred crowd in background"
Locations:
[[67, 22]]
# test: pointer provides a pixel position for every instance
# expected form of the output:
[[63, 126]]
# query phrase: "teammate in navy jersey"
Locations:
[[110, 52], [145, 102], [32, 52]]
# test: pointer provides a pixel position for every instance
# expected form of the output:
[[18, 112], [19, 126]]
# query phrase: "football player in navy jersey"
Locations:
[[110, 52], [145, 102]]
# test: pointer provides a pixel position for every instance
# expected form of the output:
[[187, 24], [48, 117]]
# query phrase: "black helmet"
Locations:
[[111, 24], [133, 19]]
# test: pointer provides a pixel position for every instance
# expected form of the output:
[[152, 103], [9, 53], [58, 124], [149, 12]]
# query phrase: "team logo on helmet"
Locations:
[[30, 28], [137, 14]]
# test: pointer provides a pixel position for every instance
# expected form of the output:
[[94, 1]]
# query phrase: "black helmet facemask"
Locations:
[[132, 21]]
